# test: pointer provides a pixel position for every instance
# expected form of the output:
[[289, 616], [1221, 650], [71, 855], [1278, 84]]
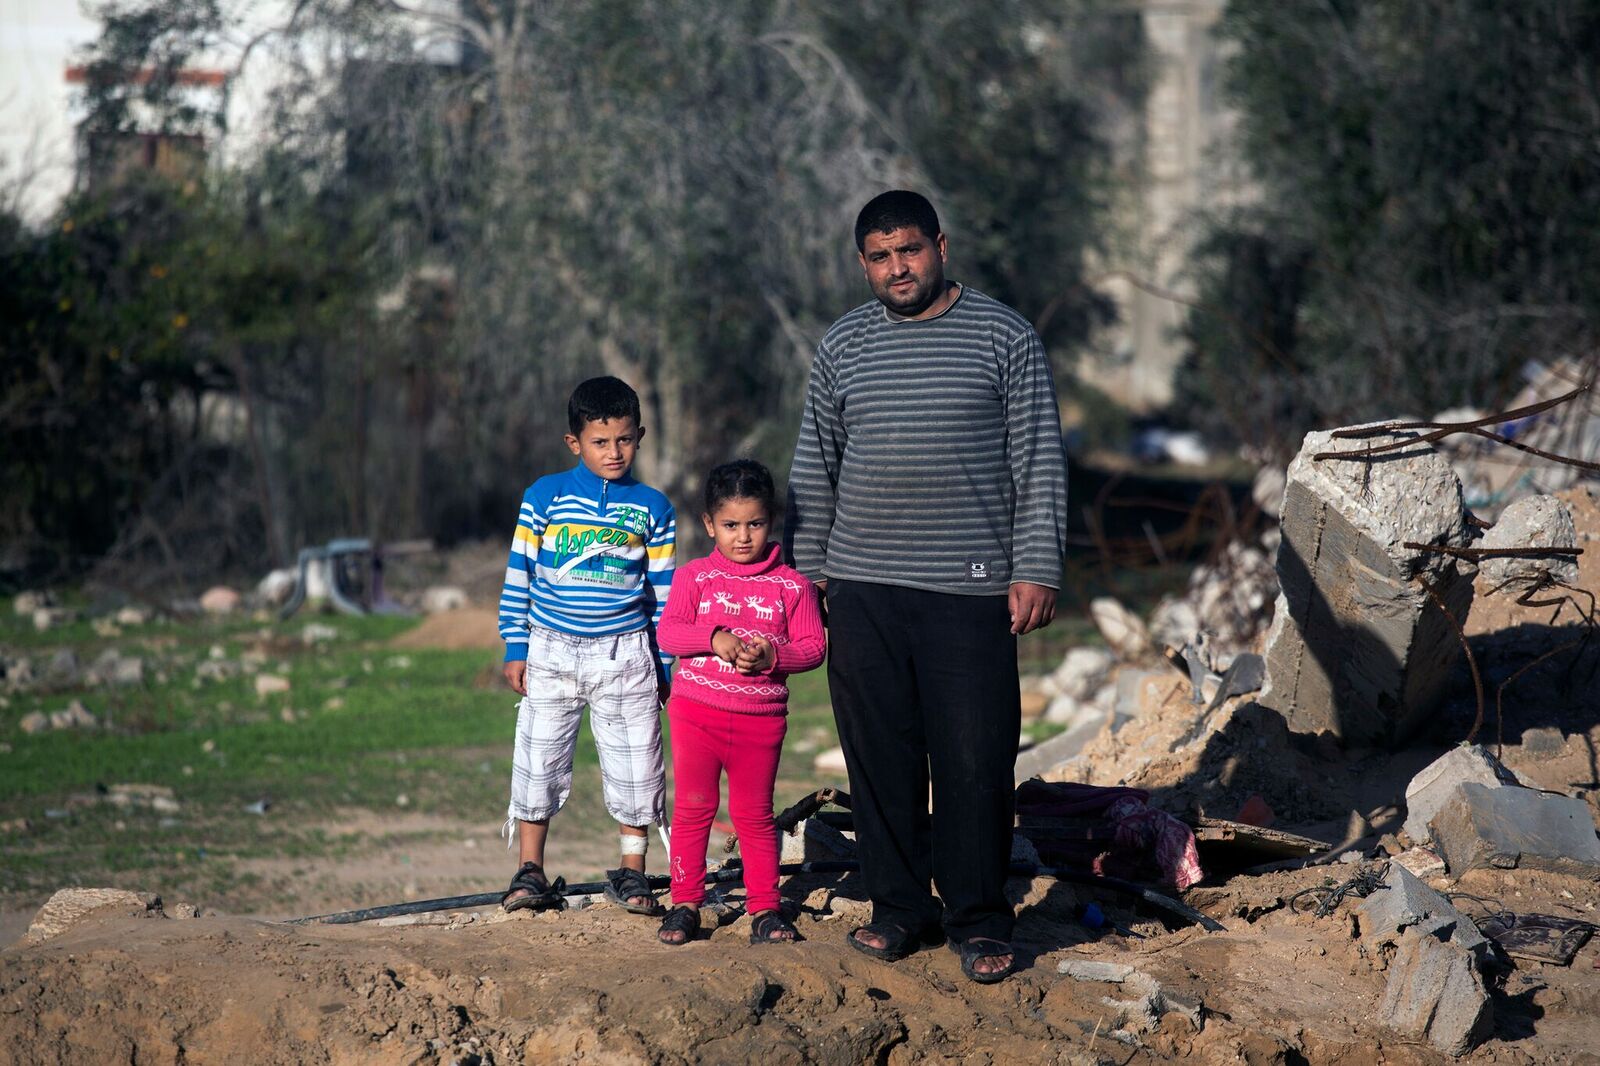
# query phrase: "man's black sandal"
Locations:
[[623, 884], [898, 941], [768, 922], [682, 919], [982, 947], [541, 894]]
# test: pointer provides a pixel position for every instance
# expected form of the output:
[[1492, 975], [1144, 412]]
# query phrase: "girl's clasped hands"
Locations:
[[753, 656]]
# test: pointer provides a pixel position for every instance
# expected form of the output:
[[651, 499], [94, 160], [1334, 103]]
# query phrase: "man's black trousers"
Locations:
[[924, 688]]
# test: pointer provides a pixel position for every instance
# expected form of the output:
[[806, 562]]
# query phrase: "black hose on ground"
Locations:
[[735, 874]]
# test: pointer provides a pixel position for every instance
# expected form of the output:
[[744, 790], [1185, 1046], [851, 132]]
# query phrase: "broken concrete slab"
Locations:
[[1433, 786], [1122, 629], [70, 906], [1484, 827], [1356, 647], [1058, 749], [1531, 522], [1434, 992], [1405, 902], [1093, 970]]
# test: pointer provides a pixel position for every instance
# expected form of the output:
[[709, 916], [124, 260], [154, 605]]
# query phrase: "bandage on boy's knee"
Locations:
[[634, 845]]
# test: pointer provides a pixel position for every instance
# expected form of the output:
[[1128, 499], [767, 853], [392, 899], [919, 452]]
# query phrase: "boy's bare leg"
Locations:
[[636, 862], [530, 847]]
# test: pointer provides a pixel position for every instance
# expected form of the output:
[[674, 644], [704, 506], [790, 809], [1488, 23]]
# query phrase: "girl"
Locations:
[[740, 622]]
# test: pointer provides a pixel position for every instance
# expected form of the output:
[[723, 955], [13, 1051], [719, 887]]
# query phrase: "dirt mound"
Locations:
[[463, 628], [593, 985]]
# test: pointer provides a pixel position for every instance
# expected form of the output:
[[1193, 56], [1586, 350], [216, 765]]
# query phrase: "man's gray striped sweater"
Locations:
[[930, 453]]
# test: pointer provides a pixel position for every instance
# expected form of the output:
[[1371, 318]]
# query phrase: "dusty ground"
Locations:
[[592, 985]]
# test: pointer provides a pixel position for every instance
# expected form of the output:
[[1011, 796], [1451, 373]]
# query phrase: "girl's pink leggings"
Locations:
[[705, 742]]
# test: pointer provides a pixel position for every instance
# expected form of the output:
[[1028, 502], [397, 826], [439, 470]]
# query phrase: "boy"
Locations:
[[591, 564]]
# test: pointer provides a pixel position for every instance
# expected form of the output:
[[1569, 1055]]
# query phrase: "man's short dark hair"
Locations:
[[894, 210], [599, 399]]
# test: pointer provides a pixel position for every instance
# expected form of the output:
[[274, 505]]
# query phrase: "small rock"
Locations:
[[277, 586], [220, 599], [217, 670], [1121, 628], [829, 762], [105, 628], [1422, 862], [398, 662], [443, 598], [74, 716], [1543, 740], [47, 618], [287, 715], [183, 910], [271, 684], [1090, 970], [158, 798], [134, 615], [63, 667], [25, 603], [260, 806], [402, 800], [318, 633], [333, 703], [34, 722], [1531, 522], [1082, 672]]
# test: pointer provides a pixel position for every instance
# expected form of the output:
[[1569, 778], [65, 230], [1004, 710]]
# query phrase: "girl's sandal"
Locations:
[[540, 893], [682, 919], [767, 923]]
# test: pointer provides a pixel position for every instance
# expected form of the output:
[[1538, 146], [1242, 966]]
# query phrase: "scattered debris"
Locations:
[[1123, 631], [74, 716], [158, 798], [1538, 937], [271, 684]]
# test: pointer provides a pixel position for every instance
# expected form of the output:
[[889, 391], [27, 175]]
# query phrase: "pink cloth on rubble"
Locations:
[[1139, 828]]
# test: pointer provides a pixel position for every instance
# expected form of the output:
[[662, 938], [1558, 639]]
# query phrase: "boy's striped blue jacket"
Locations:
[[590, 557]]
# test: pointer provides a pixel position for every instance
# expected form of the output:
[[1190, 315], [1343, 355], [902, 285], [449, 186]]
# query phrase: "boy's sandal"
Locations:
[[982, 947], [541, 894], [898, 941], [766, 923], [681, 919], [623, 885]]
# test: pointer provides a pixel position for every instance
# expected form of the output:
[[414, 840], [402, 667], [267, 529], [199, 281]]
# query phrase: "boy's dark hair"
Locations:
[[742, 479], [892, 210], [598, 399]]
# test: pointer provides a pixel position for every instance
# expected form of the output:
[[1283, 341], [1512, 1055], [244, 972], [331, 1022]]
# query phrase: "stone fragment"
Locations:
[[829, 762], [1433, 786], [217, 670], [220, 599], [70, 906], [1124, 633], [318, 633], [48, 618], [1092, 970], [443, 598], [276, 587], [1082, 672], [1421, 862], [1537, 522], [815, 840], [23, 604], [1543, 740], [73, 716], [1516, 827], [184, 910], [271, 684], [133, 615], [158, 798], [1434, 992], [62, 669], [34, 722], [1357, 648], [1403, 902]]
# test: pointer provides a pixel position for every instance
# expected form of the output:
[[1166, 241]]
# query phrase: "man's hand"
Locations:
[[757, 656], [1032, 606], [516, 676], [726, 646]]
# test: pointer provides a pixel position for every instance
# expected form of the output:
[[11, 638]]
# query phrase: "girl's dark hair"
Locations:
[[742, 479]]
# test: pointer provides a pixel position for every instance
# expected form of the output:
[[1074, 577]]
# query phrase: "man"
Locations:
[[928, 499]]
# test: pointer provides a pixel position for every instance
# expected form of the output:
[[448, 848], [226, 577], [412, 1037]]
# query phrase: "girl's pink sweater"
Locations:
[[763, 597]]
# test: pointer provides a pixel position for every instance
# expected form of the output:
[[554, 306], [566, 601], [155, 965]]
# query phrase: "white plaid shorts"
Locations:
[[616, 677]]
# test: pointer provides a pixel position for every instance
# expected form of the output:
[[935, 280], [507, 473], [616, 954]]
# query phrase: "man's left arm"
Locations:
[[1039, 479]]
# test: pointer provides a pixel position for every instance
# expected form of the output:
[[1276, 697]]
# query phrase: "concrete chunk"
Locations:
[[1090, 970], [1357, 648], [1405, 902], [1437, 782], [1533, 521], [1509, 827], [1434, 992]]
